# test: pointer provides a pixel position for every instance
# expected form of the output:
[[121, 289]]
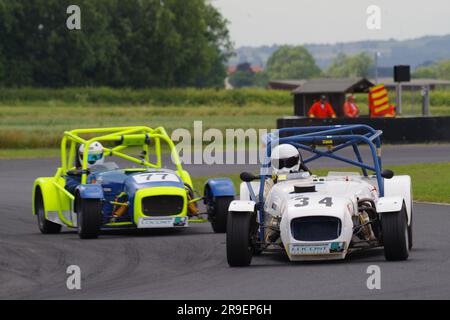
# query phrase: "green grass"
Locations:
[[29, 153], [431, 181], [42, 125], [151, 96], [36, 118]]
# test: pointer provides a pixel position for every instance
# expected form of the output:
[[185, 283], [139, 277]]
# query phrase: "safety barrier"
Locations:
[[395, 130]]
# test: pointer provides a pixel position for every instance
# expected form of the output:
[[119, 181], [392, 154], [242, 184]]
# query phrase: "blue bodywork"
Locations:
[[90, 191], [110, 184], [336, 137], [218, 187]]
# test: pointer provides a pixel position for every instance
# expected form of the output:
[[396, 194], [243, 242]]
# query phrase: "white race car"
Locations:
[[322, 217]]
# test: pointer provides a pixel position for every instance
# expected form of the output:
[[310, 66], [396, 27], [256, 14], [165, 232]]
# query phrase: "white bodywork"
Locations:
[[336, 196]]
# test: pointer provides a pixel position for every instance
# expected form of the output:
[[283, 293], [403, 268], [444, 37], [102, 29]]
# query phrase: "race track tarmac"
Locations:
[[191, 263]]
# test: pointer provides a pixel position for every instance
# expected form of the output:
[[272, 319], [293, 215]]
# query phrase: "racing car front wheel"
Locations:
[[218, 214], [89, 212], [240, 230], [45, 226], [395, 235], [410, 229]]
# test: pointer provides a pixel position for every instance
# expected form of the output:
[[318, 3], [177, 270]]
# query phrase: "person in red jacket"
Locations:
[[321, 109], [351, 110]]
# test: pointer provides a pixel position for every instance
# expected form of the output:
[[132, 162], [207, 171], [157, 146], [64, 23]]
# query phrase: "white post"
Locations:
[[377, 54]]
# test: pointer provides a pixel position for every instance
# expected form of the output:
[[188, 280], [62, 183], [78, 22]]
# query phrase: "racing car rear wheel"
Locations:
[[89, 212], [45, 226], [240, 231], [395, 235], [218, 214]]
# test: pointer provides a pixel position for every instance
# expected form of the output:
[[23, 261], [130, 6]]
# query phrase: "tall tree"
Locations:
[[292, 63], [136, 43]]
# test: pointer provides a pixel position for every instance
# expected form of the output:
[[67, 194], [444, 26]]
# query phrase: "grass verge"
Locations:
[[29, 153], [36, 118], [431, 181]]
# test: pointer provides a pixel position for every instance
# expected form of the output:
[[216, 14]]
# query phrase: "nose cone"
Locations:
[[314, 225], [150, 179]]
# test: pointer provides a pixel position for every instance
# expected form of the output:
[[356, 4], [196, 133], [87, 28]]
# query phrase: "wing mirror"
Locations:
[[387, 174], [248, 177]]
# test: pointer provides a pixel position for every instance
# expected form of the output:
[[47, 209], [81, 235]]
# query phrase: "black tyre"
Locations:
[[218, 214], [89, 212], [45, 226], [240, 233], [395, 235], [410, 230]]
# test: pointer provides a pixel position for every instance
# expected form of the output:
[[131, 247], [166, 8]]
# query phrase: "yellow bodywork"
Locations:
[[156, 191], [58, 202]]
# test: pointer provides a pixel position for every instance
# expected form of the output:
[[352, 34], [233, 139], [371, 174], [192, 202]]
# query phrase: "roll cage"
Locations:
[[124, 137], [335, 138]]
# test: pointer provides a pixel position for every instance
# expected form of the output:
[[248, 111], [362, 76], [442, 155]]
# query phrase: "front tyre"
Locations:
[[240, 246], [395, 235], [45, 226], [410, 230], [89, 213], [218, 214]]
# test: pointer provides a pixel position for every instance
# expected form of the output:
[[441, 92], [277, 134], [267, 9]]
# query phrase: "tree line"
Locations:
[[133, 43], [289, 62], [298, 63], [437, 70]]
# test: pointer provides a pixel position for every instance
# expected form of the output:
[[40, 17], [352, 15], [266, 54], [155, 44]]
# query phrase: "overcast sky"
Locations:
[[267, 22]]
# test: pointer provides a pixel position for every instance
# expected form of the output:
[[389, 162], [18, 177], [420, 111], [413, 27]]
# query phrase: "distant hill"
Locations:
[[415, 52]]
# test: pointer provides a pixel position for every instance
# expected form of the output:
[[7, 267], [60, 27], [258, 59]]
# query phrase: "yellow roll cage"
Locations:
[[124, 137]]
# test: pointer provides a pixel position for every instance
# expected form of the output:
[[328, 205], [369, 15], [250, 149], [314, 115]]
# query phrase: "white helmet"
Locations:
[[285, 158], [95, 153]]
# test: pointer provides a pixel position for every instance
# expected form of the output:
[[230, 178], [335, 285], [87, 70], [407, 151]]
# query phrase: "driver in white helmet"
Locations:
[[287, 163], [95, 154], [286, 160], [94, 157]]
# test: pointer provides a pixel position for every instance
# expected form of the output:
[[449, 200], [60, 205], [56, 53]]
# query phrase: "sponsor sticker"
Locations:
[[326, 248], [158, 222]]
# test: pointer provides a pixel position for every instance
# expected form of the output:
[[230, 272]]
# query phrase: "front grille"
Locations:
[[316, 228], [156, 206]]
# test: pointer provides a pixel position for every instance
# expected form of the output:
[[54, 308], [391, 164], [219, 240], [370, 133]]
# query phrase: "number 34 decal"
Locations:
[[304, 201]]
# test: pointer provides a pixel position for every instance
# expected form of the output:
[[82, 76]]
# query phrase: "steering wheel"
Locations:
[[78, 172]]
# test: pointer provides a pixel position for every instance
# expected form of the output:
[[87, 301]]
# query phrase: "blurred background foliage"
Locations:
[[133, 43]]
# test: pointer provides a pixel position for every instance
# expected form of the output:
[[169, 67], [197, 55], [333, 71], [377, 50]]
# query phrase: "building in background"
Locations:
[[334, 89]]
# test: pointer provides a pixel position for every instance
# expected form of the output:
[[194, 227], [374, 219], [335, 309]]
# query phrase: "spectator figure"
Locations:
[[351, 110], [321, 109]]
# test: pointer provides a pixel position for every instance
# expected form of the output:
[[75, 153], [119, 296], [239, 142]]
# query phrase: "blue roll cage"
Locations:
[[337, 137]]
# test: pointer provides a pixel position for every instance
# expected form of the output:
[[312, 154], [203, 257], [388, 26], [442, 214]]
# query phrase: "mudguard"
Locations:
[[218, 187], [389, 204], [49, 194], [400, 186], [90, 191], [57, 206], [242, 206]]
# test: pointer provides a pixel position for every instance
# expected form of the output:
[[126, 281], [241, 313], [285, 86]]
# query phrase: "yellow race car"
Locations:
[[90, 192]]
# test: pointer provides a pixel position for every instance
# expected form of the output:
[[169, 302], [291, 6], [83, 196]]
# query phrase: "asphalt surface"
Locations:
[[191, 263]]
